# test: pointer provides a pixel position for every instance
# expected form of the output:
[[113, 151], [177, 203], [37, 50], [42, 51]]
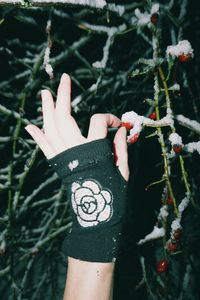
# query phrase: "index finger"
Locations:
[[99, 125]]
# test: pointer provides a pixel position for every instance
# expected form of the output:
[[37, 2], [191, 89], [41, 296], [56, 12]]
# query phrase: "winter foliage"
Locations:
[[139, 61]]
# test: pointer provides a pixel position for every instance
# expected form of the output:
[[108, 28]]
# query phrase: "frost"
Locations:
[[155, 234], [175, 139], [73, 164], [183, 47]]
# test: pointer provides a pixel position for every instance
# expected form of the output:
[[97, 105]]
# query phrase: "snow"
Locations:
[[175, 87], [102, 64], [73, 164], [139, 121], [176, 224], [182, 206], [155, 234], [163, 214], [92, 3], [78, 99], [155, 8], [120, 9], [183, 47], [111, 31], [46, 63], [143, 19], [175, 139], [48, 27], [192, 124], [194, 146]]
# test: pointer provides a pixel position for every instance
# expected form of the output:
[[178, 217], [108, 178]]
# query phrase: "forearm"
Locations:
[[88, 280]]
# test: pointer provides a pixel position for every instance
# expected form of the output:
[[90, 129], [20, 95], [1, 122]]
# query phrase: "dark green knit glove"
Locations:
[[97, 191]]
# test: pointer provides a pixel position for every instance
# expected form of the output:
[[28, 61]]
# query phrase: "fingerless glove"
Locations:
[[97, 193]]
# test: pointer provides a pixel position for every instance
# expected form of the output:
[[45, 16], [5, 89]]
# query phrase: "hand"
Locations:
[[61, 131]]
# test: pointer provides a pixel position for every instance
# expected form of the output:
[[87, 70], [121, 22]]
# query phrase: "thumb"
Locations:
[[121, 152]]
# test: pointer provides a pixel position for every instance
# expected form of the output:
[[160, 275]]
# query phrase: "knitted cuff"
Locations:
[[97, 191]]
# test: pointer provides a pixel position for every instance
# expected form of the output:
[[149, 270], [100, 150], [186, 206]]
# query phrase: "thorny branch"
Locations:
[[100, 57]]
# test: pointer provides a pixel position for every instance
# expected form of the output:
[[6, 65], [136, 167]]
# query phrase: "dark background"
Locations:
[[35, 271]]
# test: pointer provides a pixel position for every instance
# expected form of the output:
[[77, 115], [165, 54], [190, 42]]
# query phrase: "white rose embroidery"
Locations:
[[91, 203]]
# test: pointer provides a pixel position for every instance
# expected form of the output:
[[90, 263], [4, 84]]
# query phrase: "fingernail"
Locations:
[[43, 93], [64, 75], [27, 128], [67, 77]]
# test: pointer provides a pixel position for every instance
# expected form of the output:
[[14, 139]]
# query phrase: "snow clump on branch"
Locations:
[[176, 224], [143, 19], [155, 234], [194, 146], [138, 122], [46, 63], [182, 48], [96, 4], [175, 139]]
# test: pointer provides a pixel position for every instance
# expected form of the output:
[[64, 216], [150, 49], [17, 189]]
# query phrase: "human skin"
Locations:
[[85, 280]]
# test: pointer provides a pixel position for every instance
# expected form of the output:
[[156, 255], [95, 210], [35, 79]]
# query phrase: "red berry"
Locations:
[[133, 139], [153, 115], [127, 125], [177, 234], [172, 247], [154, 18], [184, 57], [162, 265], [169, 201], [177, 148]]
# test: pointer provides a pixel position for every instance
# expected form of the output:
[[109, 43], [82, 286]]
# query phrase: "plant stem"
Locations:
[[181, 160], [155, 43]]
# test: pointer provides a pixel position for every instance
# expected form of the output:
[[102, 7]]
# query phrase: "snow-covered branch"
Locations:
[[99, 4], [190, 124]]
